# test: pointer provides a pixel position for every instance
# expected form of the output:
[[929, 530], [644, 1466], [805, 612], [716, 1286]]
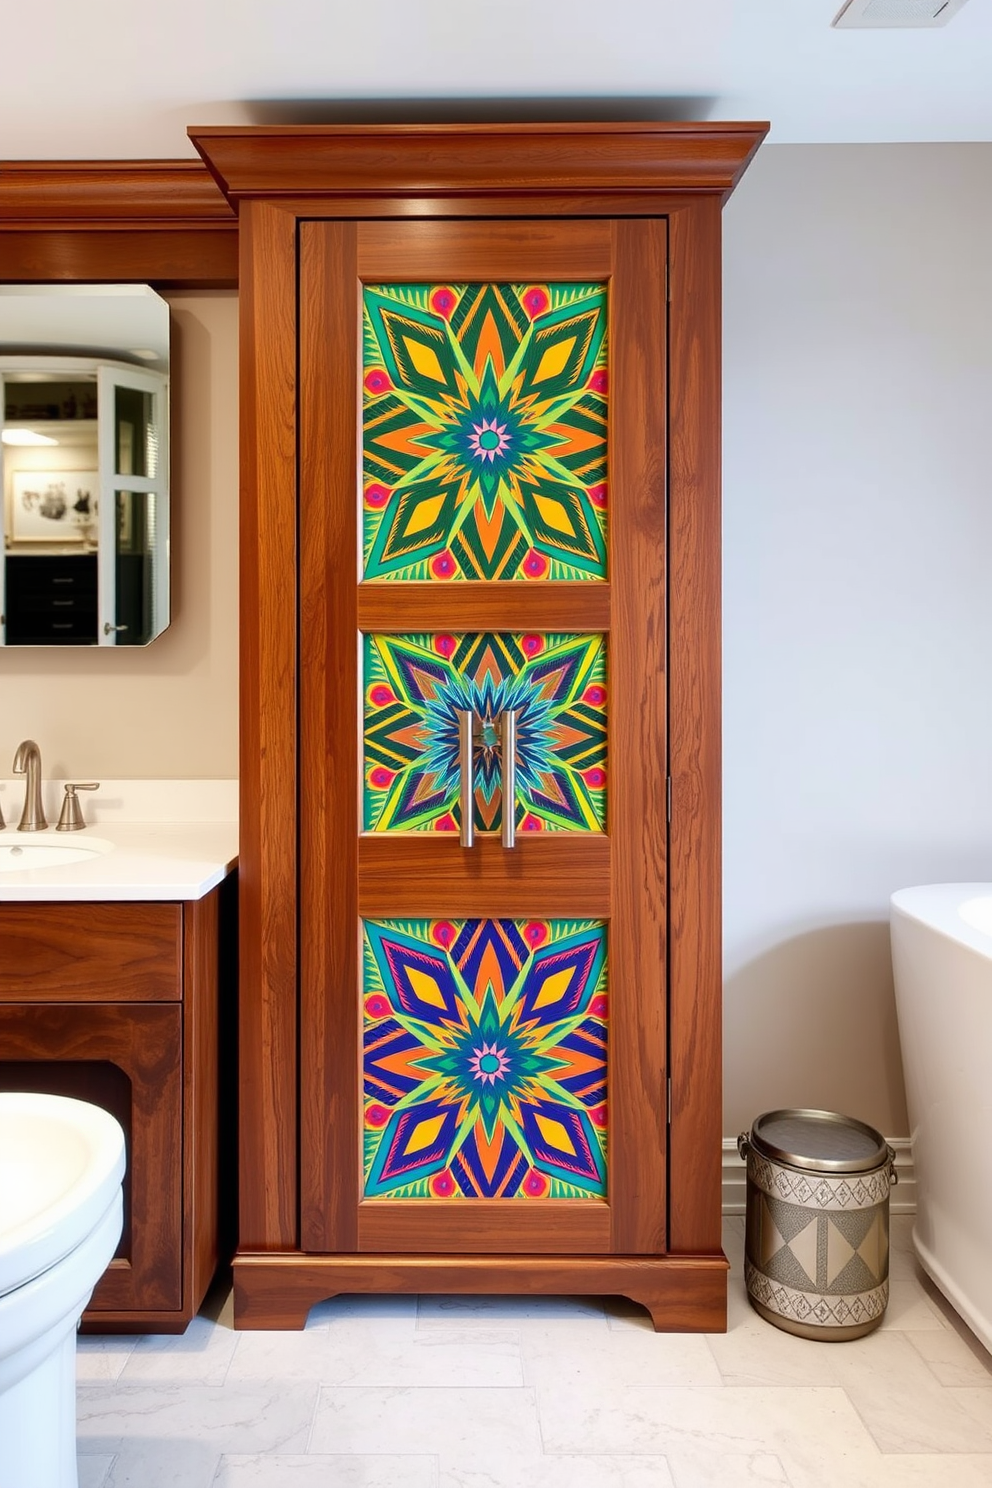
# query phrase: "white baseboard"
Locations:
[[902, 1199]]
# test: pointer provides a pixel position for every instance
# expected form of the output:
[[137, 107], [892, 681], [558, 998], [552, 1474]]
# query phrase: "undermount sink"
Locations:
[[21, 850]]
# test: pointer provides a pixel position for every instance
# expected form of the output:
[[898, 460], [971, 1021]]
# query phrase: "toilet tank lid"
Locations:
[[61, 1163]]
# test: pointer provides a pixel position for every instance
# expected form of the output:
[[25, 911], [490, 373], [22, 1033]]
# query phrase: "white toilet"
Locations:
[[61, 1214]]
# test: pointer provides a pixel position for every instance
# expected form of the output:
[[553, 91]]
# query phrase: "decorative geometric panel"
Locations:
[[484, 1059], [415, 685], [484, 431]]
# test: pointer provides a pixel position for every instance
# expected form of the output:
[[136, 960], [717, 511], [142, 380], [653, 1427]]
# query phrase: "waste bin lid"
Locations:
[[824, 1141]]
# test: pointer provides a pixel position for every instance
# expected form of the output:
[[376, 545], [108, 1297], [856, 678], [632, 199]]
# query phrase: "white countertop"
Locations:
[[185, 845]]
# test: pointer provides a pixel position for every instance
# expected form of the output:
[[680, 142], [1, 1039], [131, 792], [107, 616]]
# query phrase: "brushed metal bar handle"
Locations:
[[509, 782], [466, 775]]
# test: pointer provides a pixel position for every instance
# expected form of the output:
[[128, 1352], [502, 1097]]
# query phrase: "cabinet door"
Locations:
[[483, 736]]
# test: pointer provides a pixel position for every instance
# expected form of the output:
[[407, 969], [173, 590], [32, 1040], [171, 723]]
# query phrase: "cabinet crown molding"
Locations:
[[491, 161], [117, 192]]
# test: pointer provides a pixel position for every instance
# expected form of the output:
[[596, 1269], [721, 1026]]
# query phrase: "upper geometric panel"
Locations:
[[484, 431]]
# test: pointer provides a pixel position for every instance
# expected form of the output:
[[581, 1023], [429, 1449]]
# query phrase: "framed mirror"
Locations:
[[84, 464]]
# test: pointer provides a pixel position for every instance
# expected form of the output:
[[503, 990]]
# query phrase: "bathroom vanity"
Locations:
[[112, 982]]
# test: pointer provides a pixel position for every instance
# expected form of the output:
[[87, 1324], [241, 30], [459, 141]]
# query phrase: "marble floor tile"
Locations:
[[350, 1352], [258, 1417], [702, 1469], [169, 1463], [100, 1357], [382, 1309], [954, 1358], [201, 1355], [904, 1406], [845, 1467], [733, 1240], [506, 1312], [542, 1392], [755, 1352], [567, 1356], [718, 1422], [469, 1426], [93, 1470], [559, 1472], [327, 1471]]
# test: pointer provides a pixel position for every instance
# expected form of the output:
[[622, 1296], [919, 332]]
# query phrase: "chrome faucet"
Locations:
[[27, 762]]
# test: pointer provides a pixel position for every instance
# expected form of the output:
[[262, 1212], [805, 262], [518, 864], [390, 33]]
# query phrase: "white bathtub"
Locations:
[[942, 960]]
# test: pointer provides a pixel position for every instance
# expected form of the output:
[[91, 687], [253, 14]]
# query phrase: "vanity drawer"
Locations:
[[91, 952]]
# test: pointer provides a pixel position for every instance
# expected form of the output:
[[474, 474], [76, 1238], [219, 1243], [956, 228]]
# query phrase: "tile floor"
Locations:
[[448, 1392]]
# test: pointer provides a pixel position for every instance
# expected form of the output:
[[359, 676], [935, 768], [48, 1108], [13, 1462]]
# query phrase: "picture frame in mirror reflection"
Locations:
[[53, 506]]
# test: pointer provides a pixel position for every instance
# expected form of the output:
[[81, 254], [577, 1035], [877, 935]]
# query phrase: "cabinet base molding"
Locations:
[[130, 1321], [683, 1294]]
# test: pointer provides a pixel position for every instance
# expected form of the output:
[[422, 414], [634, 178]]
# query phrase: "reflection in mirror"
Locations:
[[84, 465]]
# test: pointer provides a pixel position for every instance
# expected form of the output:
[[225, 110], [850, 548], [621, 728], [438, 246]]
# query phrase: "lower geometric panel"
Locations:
[[484, 1059]]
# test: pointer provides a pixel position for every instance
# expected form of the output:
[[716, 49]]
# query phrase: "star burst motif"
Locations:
[[485, 1059], [415, 686], [484, 431]]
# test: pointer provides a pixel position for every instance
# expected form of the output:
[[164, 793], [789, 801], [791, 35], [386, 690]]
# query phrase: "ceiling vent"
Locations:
[[866, 14]]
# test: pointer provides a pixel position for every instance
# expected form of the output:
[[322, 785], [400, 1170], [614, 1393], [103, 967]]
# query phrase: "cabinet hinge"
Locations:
[[668, 799], [668, 1108]]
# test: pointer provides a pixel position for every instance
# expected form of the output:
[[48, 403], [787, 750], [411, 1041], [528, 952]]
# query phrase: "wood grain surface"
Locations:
[[104, 221], [695, 687], [683, 1294], [419, 159], [638, 707], [680, 173], [90, 952], [201, 1114], [469, 1225], [475, 605], [330, 1094], [548, 873], [268, 847]]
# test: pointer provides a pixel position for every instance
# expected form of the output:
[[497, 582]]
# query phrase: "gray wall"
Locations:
[[858, 598]]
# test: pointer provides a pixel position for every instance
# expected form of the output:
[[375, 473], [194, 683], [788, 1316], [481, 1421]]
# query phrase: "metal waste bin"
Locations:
[[816, 1253]]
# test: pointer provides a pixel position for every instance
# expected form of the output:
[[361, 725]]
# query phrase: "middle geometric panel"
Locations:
[[414, 688]]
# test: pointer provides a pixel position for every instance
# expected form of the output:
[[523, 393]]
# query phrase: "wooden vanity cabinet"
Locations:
[[119, 1004]]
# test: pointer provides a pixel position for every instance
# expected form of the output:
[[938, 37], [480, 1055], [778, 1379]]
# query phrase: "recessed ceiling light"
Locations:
[[866, 14], [25, 437], [144, 353]]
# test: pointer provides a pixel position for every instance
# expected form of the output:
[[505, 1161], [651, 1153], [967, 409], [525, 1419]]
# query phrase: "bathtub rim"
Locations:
[[937, 906]]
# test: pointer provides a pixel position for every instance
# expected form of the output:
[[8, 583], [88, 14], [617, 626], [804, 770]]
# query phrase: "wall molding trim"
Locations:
[[902, 1199], [159, 221]]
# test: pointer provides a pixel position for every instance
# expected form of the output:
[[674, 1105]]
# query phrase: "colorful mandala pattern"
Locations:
[[485, 1059], [484, 431], [415, 685]]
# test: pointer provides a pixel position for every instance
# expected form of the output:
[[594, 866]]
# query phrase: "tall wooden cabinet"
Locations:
[[480, 959]]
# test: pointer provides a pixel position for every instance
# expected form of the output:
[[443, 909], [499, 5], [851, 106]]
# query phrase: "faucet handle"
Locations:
[[71, 816]]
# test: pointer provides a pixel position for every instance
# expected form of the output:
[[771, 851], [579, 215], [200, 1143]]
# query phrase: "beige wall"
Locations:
[[857, 598], [169, 709]]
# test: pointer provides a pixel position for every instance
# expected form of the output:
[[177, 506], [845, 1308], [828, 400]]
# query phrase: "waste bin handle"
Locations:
[[744, 1145], [893, 1175]]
